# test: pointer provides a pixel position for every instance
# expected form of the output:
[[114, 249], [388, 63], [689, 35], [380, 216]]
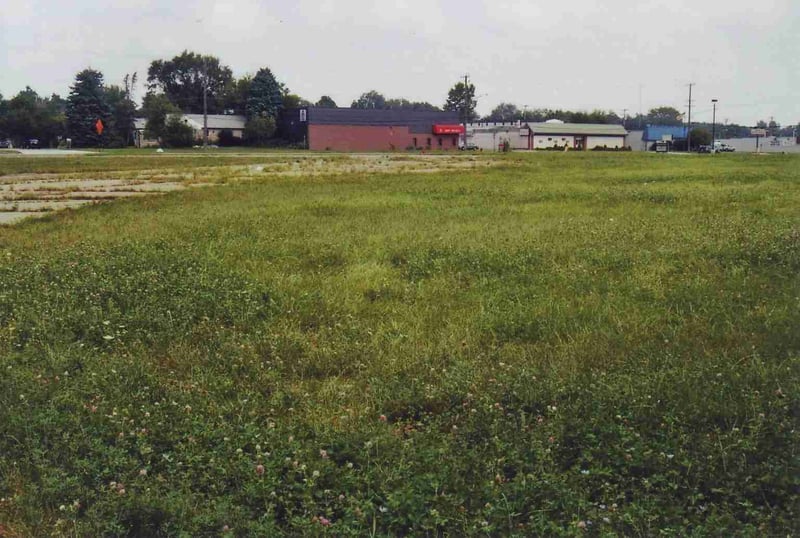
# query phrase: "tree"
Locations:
[[664, 115], [123, 112], [461, 98], [177, 134], [265, 97], [700, 137], [292, 100], [157, 108], [259, 130], [235, 94], [504, 112], [27, 116], [86, 104], [370, 99], [405, 104], [183, 79], [773, 128], [3, 118], [325, 102]]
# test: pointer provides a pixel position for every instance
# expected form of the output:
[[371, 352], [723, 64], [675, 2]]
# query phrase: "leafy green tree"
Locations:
[[259, 130], [123, 113], [291, 100], [85, 105], [405, 104], [234, 97], [27, 116], [177, 134], [664, 115], [157, 108], [265, 97], [700, 137], [461, 98], [325, 102], [183, 79], [370, 99], [504, 112]]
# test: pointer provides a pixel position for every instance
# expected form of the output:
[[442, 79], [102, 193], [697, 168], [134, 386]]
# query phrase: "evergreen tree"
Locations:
[[265, 96], [87, 104]]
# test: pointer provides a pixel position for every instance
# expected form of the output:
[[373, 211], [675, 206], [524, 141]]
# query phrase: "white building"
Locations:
[[491, 135], [549, 134], [578, 136]]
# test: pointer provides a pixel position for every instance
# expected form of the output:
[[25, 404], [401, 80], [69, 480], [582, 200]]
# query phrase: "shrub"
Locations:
[[177, 134], [259, 130]]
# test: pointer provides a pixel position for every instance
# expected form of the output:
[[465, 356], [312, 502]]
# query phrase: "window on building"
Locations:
[[428, 143], [453, 140], [440, 141], [549, 139], [415, 141]]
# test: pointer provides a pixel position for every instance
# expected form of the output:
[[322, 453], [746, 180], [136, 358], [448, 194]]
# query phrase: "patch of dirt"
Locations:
[[36, 194]]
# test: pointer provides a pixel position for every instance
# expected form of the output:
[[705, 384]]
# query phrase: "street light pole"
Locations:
[[714, 125]]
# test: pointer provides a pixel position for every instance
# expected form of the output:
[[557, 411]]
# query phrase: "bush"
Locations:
[[258, 131]]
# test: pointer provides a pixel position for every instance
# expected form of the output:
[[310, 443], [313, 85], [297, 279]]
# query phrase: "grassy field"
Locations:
[[559, 344]]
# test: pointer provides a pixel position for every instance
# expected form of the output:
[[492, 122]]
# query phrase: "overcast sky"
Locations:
[[576, 54]]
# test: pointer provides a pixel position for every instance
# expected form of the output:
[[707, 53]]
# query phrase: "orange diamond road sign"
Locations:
[[99, 127]]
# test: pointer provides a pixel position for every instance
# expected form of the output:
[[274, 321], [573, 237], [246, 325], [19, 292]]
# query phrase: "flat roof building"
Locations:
[[545, 135], [353, 129]]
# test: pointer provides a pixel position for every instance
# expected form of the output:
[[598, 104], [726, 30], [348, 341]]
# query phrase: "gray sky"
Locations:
[[576, 54]]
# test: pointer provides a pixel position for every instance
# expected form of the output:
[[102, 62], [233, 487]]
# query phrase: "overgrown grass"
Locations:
[[559, 345]]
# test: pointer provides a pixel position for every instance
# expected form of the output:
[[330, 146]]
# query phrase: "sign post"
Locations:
[[758, 133], [98, 127]]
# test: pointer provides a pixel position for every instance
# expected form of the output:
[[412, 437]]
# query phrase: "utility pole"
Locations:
[[205, 103], [465, 108], [624, 116], [689, 122]]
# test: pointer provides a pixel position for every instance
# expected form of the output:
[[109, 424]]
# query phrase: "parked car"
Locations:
[[6, 144], [32, 143], [703, 149], [722, 147], [469, 147]]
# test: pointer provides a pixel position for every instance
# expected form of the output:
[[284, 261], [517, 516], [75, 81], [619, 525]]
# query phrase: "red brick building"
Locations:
[[352, 129]]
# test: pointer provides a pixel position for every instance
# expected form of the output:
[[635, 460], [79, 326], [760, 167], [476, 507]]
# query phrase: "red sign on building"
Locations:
[[441, 129]]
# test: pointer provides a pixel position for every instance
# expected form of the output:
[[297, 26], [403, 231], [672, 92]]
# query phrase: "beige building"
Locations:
[[216, 124]]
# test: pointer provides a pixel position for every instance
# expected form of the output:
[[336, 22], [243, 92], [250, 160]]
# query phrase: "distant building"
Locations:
[[663, 133], [549, 134], [490, 136], [216, 124], [578, 136], [353, 129]]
